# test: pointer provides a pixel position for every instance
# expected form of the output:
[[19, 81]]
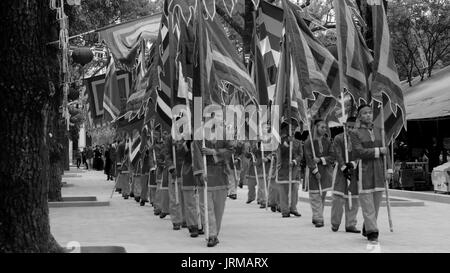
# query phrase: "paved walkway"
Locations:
[[246, 227]]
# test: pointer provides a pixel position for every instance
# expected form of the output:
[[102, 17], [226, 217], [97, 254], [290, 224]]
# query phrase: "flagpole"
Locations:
[[172, 87], [196, 193], [205, 180], [344, 121], [346, 148], [263, 163], [383, 141], [311, 141]]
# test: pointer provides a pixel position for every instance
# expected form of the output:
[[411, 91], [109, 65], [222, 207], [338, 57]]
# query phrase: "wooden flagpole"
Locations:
[[386, 187]]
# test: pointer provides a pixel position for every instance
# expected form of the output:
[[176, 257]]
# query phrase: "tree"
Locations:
[[420, 30], [25, 88]]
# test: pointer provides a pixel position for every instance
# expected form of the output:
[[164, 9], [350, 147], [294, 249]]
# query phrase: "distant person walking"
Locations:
[[108, 164], [78, 158], [84, 158]]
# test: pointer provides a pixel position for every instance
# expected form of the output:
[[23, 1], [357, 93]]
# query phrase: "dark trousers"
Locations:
[[78, 162]]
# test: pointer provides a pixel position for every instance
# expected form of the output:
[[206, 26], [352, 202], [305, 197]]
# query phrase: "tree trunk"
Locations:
[[24, 89]]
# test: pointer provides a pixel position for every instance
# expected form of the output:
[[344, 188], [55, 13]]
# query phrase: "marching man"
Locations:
[[367, 146], [282, 172], [319, 157], [345, 173]]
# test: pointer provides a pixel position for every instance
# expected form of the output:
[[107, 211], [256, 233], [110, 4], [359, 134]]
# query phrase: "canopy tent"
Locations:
[[429, 99]]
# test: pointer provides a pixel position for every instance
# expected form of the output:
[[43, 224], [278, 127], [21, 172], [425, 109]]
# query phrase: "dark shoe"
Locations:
[[263, 206], [249, 201], [319, 224], [334, 228], [372, 237], [212, 241], [131, 195], [176, 226], [125, 197], [137, 199], [193, 231], [201, 232], [273, 208], [184, 225], [232, 196], [142, 203], [157, 212], [364, 231], [241, 185], [295, 213], [352, 230], [117, 190], [163, 215], [278, 209], [285, 215]]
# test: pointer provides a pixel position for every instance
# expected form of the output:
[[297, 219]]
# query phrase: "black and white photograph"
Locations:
[[197, 128]]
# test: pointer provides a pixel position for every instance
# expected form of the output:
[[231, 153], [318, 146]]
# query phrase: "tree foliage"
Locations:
[[419, 25]]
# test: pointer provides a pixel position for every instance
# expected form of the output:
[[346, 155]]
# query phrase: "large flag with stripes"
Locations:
[[385, 78], [287, 95], [123, 39], [267, 38], [316, 67], [217, 62], [95, 96], [111, 98], [353, 54], [166, 69]]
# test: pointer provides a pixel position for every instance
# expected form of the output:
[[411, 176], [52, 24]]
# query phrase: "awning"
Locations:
[[429, 99]]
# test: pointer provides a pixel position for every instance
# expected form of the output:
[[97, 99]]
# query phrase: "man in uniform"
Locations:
[[283, 166], [163, 149], [217, 153], [345, 171], [368, 148], [320, 170], [175, 177], [189, 185]]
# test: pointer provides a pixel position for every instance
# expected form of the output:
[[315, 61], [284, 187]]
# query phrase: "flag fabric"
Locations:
[[393, 123], [217, 62], [221, 55], [353, 54], [267, 38], [123, 39], [140, 83], [135, 148], [165, 69], [316, 68], [287, 94], [111, 98], [385, 78], [95, 95]]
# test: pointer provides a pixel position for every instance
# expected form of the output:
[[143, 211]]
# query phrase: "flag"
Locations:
[[95, 93], [217, 62], [141, 74], [354, 55], [165, 69], [287, 94], [135, 148], [123, 39], [267, 38], [315, 66], [385, 78], [111, 97], [393, 122], [221, 54]]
